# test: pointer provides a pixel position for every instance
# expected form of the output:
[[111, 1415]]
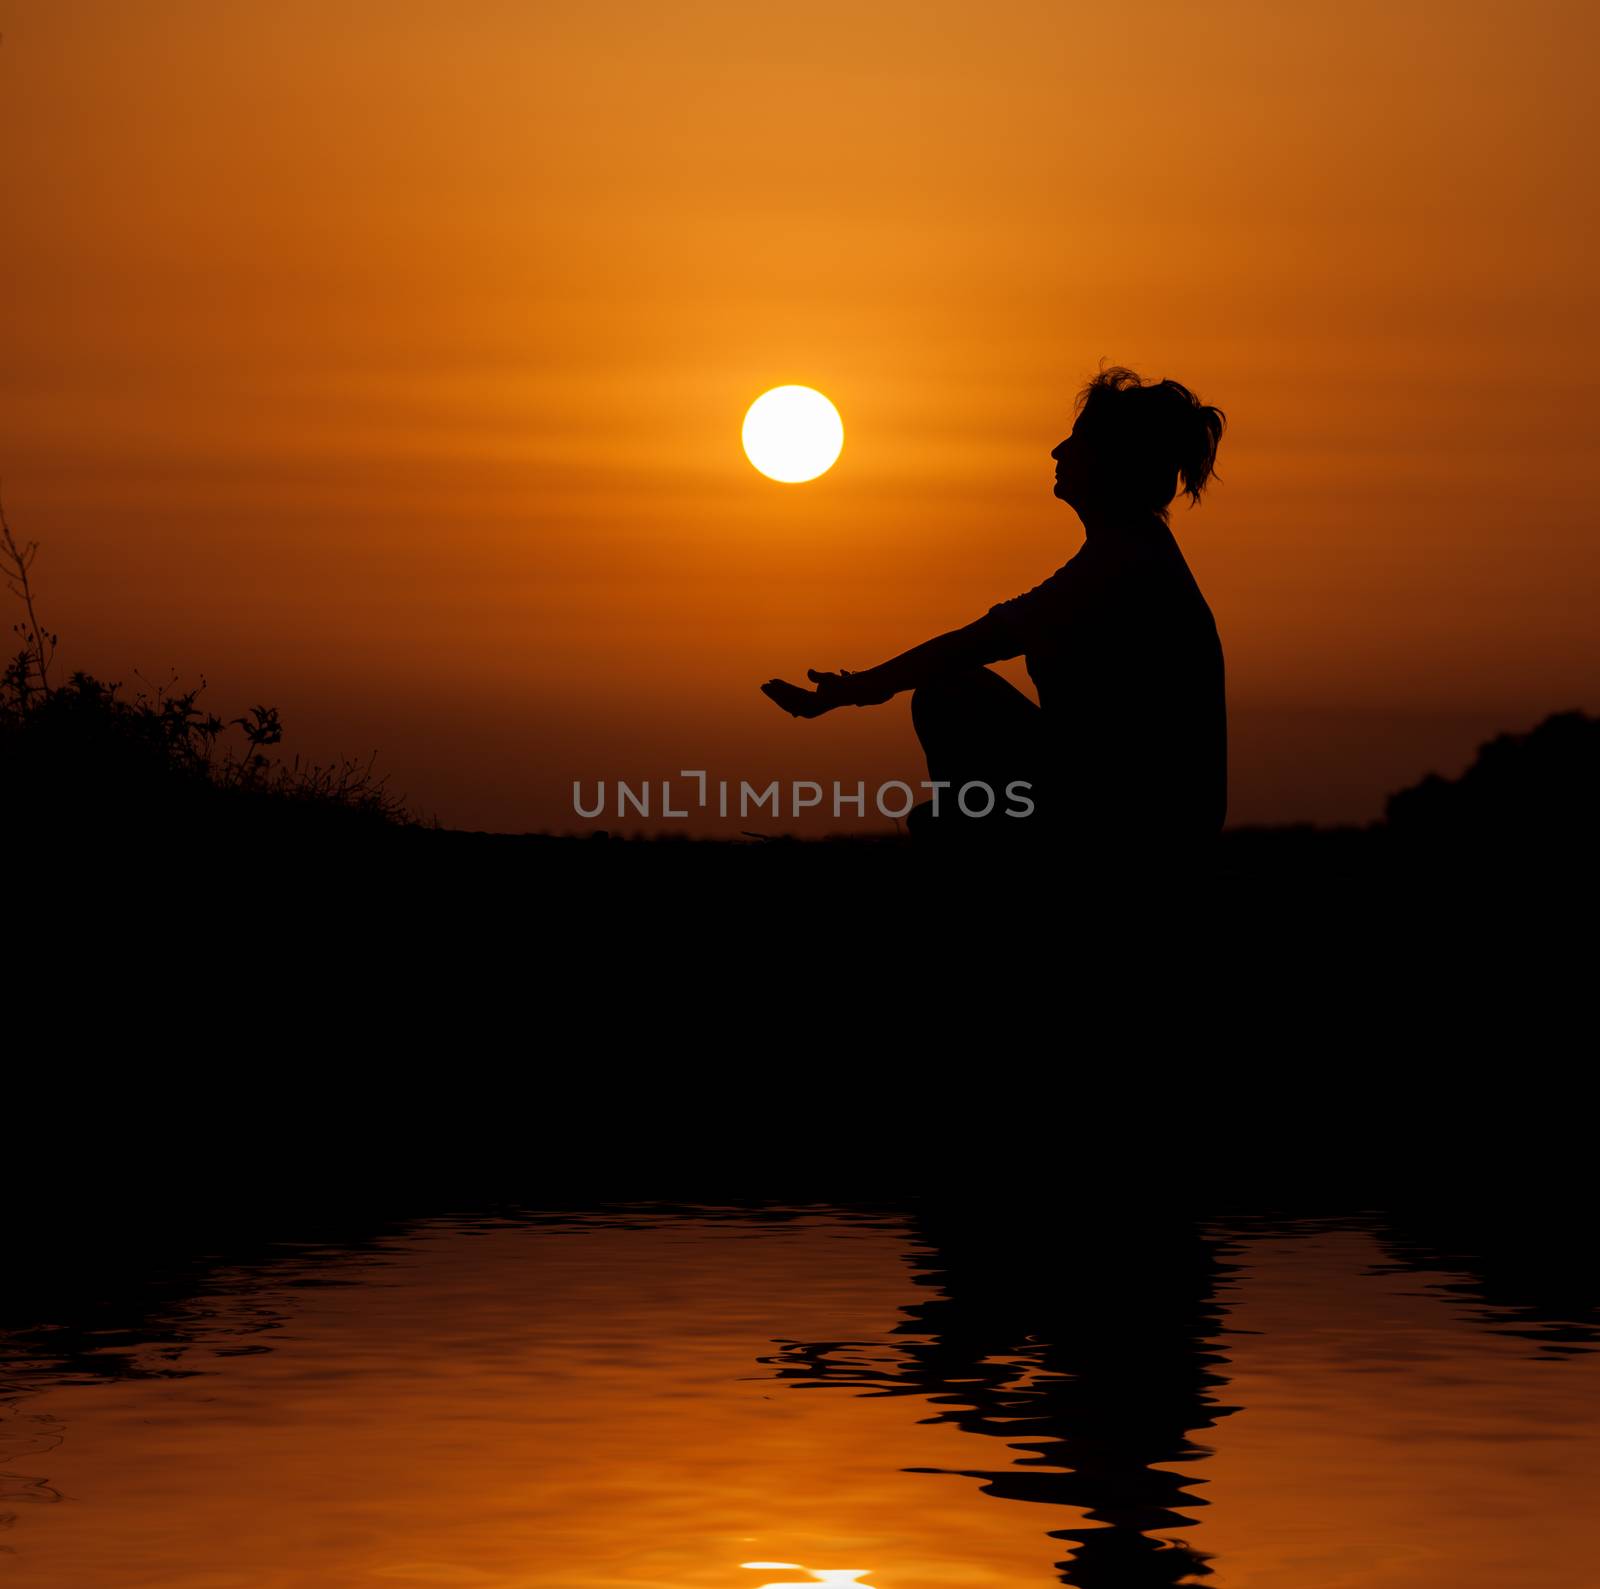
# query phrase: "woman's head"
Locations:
[[1133, 443]]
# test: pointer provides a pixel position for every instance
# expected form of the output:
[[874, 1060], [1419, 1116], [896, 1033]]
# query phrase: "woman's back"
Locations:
[[1131, 681]]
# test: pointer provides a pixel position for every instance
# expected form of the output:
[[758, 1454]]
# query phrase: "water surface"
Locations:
[[730, 1398]]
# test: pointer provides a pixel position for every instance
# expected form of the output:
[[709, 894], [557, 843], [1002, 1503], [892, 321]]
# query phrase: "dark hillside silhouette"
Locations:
[[1538, 790], [84, 762], [81, 763]]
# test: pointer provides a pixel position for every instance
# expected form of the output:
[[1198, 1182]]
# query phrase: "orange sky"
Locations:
[[386, 362]]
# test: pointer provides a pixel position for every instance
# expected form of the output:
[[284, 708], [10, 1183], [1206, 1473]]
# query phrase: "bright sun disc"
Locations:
[[792, 434]]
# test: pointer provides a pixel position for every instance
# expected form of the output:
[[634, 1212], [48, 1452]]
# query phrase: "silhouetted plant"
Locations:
[[261, 728], [82, 750], [38, 645]]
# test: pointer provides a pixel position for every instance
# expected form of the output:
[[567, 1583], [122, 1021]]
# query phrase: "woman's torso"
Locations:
[[1133, 696]]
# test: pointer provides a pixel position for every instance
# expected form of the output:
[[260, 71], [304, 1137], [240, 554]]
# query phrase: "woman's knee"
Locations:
[[959, 695], [951, 692]]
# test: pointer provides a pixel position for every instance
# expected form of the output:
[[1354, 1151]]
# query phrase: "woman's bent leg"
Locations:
[[975, 729]]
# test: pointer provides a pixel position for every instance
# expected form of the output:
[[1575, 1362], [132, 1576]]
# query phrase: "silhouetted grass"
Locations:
[[81, 760]]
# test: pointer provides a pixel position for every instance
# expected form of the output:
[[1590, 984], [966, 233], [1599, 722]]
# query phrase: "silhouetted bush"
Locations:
[[80, 761], [1539, 790], [81, 752]]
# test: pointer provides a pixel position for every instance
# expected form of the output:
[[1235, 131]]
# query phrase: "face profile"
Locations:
[[1073, 468]]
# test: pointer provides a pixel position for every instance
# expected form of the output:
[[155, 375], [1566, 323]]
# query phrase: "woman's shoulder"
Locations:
[[1153, 558]]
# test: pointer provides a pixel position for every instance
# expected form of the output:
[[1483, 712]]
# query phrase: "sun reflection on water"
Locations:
[[825, 1575]]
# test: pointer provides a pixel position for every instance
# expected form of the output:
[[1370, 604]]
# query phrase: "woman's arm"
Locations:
[[972, 646], [1006, 630]]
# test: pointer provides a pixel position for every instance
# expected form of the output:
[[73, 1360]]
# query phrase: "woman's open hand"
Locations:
[[831, 691]]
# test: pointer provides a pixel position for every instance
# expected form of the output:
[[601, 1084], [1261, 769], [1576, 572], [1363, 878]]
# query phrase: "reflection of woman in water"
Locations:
[[1083, 1344], [1129, 738]]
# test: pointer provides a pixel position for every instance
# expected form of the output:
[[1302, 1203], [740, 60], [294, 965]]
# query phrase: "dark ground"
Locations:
[[190, 949]]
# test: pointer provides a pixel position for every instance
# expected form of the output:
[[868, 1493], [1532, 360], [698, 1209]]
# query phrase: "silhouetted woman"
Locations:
[[1128, 743]]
